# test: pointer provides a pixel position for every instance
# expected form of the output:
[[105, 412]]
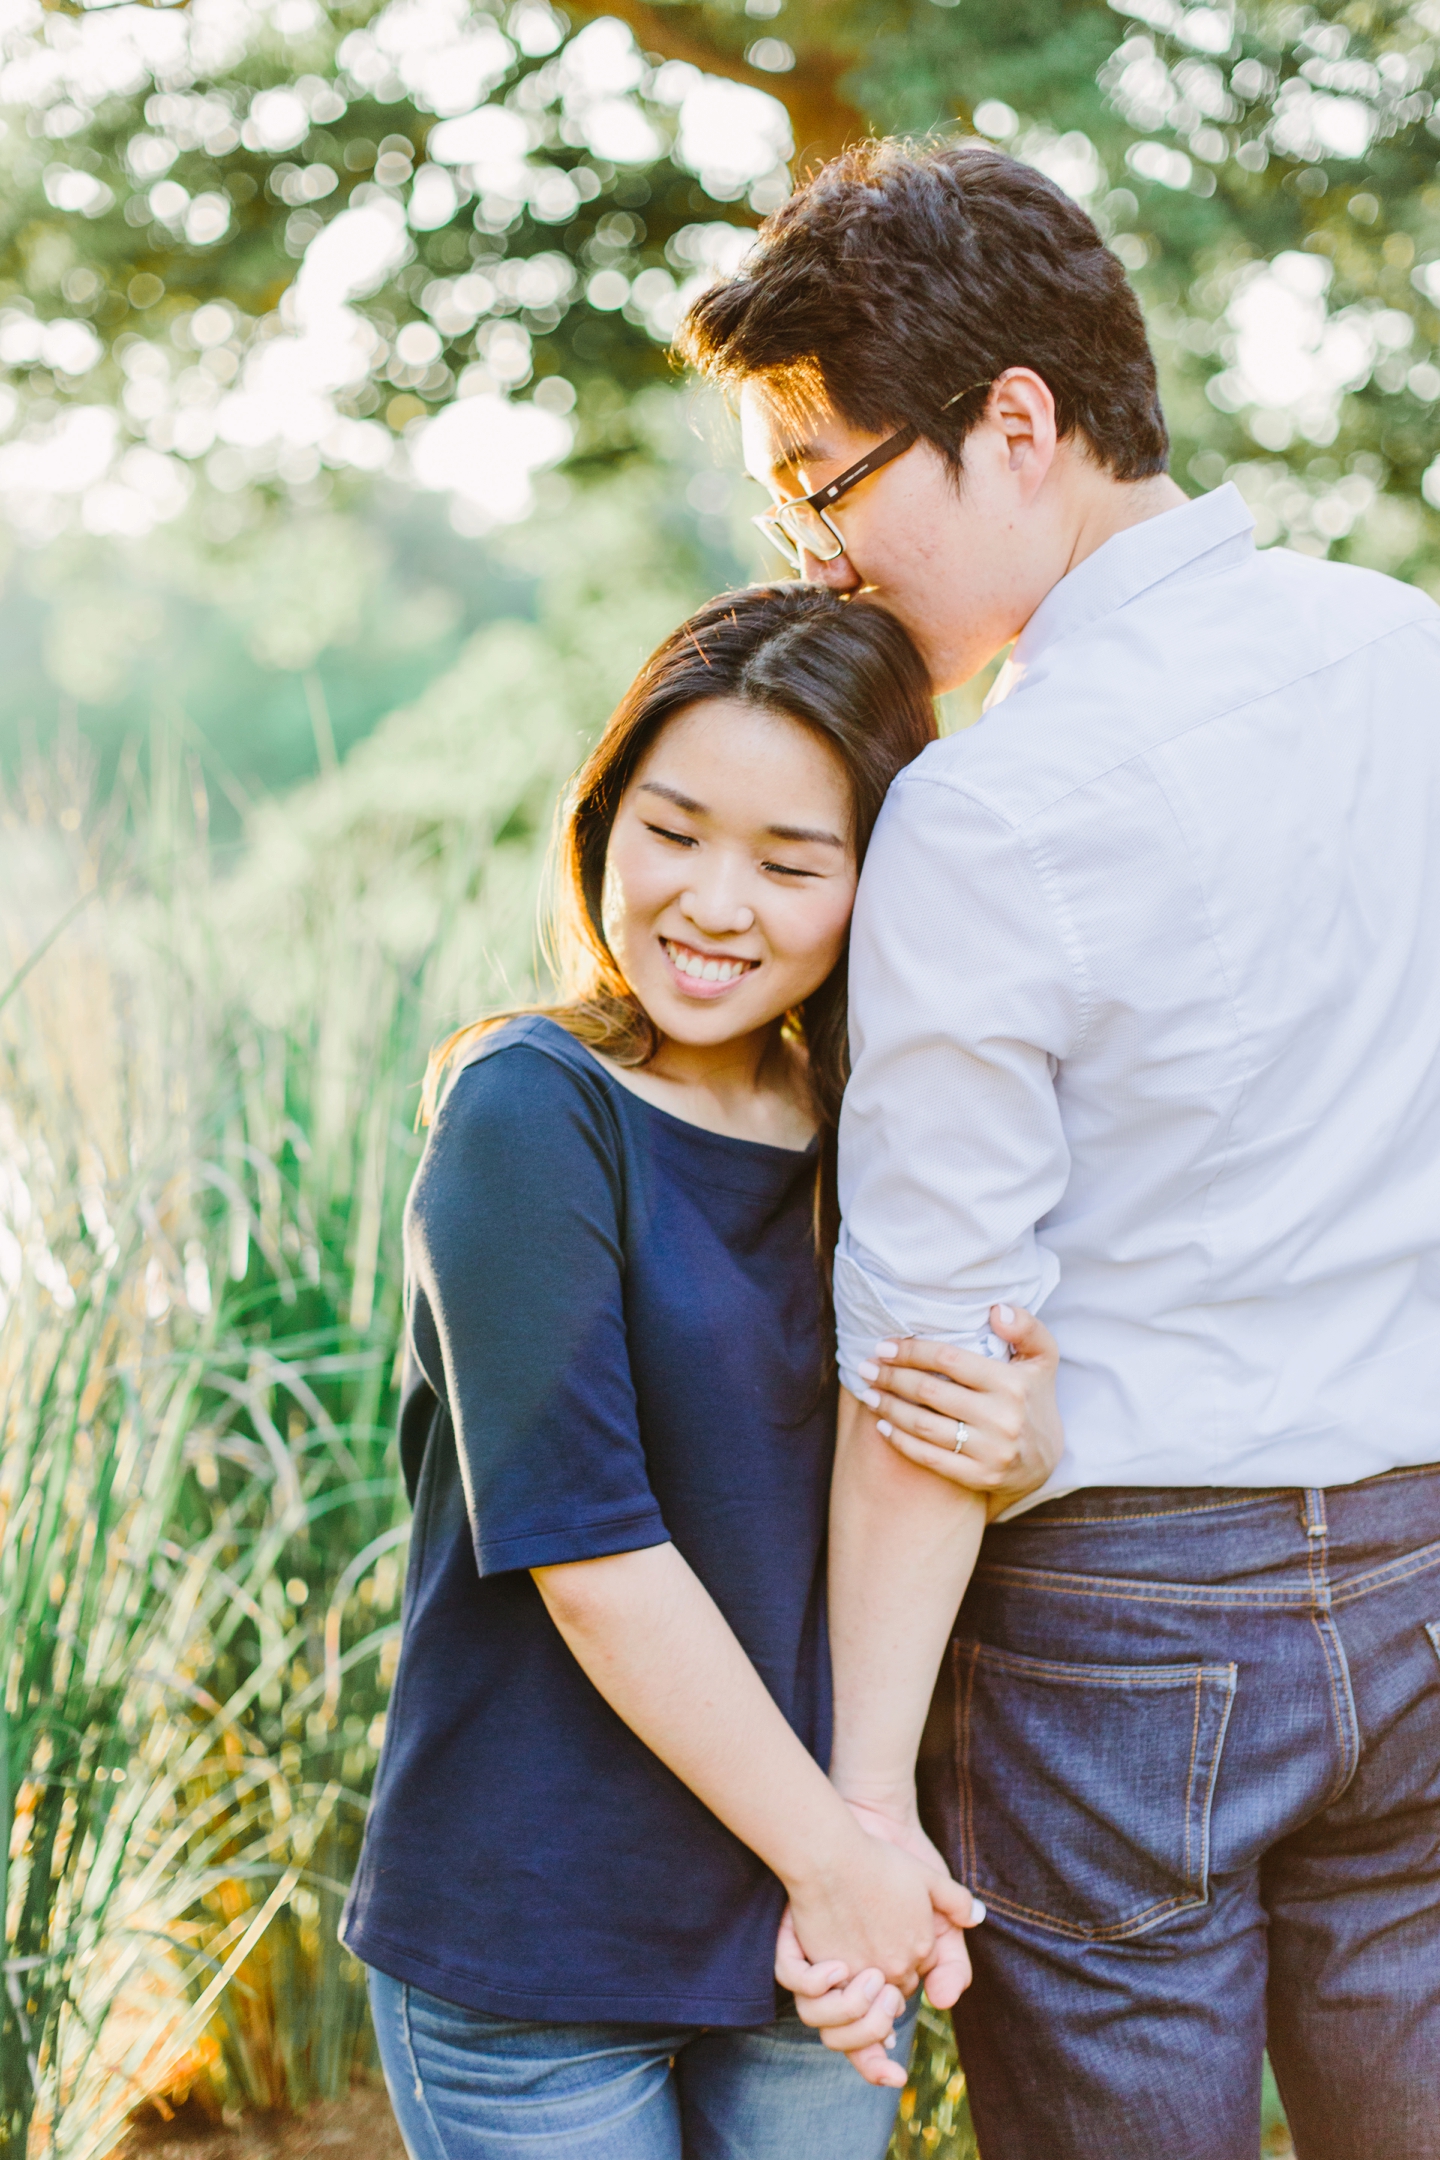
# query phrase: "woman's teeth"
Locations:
[[700, 969]]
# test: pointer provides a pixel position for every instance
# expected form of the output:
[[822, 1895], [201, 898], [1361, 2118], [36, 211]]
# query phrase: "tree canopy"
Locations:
[[253, 245]]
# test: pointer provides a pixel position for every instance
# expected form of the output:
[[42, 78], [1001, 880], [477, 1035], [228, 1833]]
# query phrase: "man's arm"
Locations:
[[966, 997], [902, 1547]]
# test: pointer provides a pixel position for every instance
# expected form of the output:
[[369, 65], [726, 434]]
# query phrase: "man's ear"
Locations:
[[1022, 407]]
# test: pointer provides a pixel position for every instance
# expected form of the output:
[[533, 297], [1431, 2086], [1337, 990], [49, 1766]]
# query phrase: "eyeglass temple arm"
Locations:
[[896, 447]]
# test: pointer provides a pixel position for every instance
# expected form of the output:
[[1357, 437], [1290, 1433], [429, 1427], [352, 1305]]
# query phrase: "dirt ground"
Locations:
[[360, 2127]]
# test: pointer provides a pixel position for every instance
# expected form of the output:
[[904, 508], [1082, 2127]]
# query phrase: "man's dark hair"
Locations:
[[896, 277]]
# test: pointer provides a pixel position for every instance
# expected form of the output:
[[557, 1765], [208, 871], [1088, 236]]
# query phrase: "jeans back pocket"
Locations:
[[1085, 1790]]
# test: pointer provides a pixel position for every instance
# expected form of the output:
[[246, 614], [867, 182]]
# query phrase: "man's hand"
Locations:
[[947, 1975], [866, 1901], [855, 2016], [921, 1391]]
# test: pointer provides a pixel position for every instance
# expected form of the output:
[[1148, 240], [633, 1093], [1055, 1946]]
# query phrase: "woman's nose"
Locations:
[[718, 910]]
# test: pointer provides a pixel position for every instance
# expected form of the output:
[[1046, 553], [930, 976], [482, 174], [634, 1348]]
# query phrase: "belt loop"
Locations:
[[1312, 1512]]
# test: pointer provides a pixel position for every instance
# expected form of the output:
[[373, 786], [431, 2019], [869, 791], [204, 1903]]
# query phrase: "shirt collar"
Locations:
[[1131, 563]]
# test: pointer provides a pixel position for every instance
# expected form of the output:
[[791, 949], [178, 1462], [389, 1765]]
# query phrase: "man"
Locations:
[[1146, 1030]]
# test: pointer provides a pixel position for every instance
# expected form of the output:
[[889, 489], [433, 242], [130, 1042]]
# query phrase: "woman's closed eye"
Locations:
[[663, 832], [789, 870]]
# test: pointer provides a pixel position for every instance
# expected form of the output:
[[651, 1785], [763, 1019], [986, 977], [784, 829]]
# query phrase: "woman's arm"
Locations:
[[653, 1642]]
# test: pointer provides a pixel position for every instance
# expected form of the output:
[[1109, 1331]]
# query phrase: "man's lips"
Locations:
[[699, 974]]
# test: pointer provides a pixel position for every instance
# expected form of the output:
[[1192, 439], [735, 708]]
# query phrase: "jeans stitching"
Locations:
[[1394, 1571], [1230, 1693], [1346, 1728], [1042, 1520], [962, 1764], [966, 1656], [1190, 1777], [1127, 1590], [1116, 1932], [420, 2093], [1092, 1522], [1017, 1661]]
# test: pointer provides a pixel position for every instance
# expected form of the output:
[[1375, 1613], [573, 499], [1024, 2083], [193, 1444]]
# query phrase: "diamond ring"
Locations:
[[962, 1434]]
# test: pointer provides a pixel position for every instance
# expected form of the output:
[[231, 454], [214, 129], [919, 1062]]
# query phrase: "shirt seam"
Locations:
[[1047, 877], [592, 1078], [956, 785], [574, 1529]]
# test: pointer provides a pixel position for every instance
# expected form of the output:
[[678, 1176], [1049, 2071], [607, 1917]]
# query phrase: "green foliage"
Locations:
[[207, 1133], [934, 2121], [83, 243], [1209, 142]]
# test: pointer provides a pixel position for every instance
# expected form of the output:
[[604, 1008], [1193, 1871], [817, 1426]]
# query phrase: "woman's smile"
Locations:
[[704, 974]]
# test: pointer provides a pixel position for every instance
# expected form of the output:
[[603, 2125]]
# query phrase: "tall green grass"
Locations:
[[203, 1153], [195, 1504]]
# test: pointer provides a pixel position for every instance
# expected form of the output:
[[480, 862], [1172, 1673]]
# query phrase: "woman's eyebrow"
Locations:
[[804, 832], [672, 794]]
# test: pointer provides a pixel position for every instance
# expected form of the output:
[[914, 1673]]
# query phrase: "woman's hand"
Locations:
[[853, 2017], [921, 1393]]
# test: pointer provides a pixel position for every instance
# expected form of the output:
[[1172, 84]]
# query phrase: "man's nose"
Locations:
[[839, 573]]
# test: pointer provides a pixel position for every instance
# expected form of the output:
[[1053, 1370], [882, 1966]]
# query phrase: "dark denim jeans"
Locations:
[[1187, 1748]]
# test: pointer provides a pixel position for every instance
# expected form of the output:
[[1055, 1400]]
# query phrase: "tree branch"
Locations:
[[821, 119]]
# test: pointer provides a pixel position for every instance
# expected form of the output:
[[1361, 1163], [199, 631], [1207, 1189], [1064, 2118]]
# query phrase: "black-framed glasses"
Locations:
[[800, 526]]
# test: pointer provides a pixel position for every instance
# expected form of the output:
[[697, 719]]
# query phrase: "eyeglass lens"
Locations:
[[795, 528]]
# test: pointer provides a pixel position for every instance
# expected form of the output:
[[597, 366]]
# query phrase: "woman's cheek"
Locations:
[[628, 904], [815, 940]]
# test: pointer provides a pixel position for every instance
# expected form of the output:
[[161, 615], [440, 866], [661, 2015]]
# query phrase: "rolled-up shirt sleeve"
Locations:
[[966, 995]]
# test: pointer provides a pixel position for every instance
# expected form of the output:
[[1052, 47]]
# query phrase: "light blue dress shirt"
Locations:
[[1145, 1017]]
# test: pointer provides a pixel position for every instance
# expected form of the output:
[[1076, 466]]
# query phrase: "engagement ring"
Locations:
[[962, 1434]]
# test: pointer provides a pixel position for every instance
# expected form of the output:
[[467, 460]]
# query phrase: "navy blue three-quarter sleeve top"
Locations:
[[614, 1340]]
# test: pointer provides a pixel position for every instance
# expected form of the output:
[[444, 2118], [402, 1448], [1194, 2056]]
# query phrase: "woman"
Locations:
[[601, 1778]]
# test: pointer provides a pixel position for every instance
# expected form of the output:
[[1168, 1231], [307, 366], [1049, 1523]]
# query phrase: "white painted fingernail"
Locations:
[[867, 1371], [1007, 1313], [887, 1349], [977, 1911], [890, 2040], [883, 1425], [870, 1399]]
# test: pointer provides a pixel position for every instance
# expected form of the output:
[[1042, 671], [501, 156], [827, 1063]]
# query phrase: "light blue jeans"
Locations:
[[467, 2086]]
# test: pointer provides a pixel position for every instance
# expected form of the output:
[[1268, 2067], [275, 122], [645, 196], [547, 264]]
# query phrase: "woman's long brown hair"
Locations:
[[843, 668]]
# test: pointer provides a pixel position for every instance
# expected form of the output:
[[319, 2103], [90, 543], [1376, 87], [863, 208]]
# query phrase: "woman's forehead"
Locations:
[[735, 760]]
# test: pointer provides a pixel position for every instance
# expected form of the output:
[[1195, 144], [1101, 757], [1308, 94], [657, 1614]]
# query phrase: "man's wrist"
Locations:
[[893, 1797]]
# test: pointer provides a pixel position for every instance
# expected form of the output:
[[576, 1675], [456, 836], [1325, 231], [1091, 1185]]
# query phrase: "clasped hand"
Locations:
[[854, 1944]]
